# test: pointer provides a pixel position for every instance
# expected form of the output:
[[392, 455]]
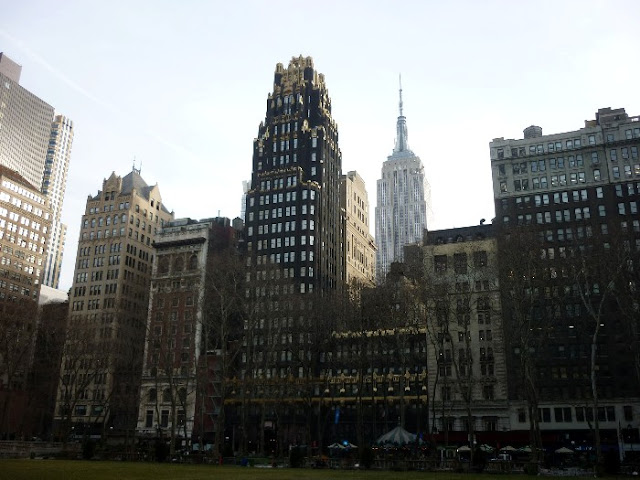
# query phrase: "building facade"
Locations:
[[54, 185], [403, 209], [38, 147], [25, 223], [25, 125], [569, 234], [179, 379], [360, 248], [467, 380], [102, 356], [25, 226], [293, 205]]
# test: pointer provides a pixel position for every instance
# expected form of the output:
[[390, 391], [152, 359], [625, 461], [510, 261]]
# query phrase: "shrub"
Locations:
[[531, 468], [366, 457], [611, 462], [88, 449], [161, 451], [296, 458]]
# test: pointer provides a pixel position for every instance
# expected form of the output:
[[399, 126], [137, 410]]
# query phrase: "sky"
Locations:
[[181, 87]]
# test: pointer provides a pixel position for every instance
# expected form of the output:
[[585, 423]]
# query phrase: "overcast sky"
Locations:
[[182, 86]]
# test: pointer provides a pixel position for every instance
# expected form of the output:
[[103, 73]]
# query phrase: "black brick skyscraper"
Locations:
[[293, 215]]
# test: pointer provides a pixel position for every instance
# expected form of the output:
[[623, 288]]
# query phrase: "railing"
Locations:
[[21, 449]]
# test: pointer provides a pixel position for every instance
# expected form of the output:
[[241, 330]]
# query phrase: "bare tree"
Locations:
[[599, 272], [45, 372], [18, 320], [85, 364], [528, 323], [223, 322]]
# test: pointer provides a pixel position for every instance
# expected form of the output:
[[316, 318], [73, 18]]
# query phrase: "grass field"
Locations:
[[25, 469]]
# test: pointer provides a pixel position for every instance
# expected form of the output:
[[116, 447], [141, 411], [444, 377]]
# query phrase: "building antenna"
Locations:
[[134, 166], [400, 82]]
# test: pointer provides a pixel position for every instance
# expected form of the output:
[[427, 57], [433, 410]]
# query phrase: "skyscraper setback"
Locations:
[[293, 205], [403, 210]]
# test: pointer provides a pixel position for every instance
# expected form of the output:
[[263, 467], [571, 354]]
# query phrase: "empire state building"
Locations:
[[404, 202]]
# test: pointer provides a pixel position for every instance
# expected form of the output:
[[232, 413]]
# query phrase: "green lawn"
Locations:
[[25, 469]]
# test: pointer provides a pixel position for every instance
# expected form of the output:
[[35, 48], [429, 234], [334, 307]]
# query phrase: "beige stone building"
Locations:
[[466, 358], [360, 248], [102, 358]]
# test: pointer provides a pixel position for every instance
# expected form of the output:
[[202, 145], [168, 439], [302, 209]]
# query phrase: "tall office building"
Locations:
[[25, 125], [38, 147], [25, 224], [54, 184], [293, 205], [360, 248], [403, 211], [572, 198], [102, 361]]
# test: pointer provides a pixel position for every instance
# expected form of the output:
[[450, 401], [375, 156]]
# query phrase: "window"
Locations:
[[490, 424], [480, 259], [164, 415], [446, 393], [628, 413], [460, 262], [522, 415], [592, 139], [440, 263], [148, 419], [544, 415], [487, 392]]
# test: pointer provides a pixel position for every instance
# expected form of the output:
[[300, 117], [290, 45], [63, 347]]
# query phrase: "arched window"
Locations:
[[166, 395], [182, 395], [153, 395], [178, 264], [163, 265], [193, 262]]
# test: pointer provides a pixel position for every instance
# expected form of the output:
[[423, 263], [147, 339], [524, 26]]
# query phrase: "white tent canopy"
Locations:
[[564, 450], [397, 436]]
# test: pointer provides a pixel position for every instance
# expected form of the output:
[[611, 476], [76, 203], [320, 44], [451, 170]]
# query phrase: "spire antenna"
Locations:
[[400, 82], [402, 144]]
